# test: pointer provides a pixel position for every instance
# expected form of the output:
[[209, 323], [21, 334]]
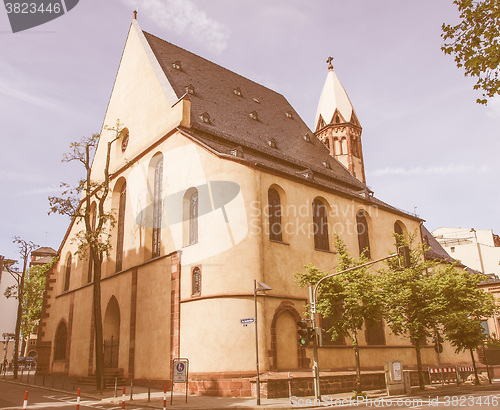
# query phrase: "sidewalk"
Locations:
[[140, 395]]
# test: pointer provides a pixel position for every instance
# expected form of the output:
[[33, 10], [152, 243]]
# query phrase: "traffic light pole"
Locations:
[[403, 250], [315, 367]]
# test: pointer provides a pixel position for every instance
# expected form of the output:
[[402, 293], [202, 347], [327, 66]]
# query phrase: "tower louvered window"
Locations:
[[320, 223], [121, 228], [275, 228], [157, 208]]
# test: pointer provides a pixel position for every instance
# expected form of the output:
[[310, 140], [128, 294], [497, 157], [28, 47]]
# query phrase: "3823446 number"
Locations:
[[33, 8]]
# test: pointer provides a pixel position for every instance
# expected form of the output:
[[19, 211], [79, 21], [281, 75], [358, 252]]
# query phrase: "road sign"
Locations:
[[180, 372]]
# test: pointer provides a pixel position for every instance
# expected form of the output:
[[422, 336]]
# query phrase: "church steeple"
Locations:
[[337, 126]]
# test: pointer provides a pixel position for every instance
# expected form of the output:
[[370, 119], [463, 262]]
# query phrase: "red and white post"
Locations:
[[78, 399], [165, 397], [25, 403], [123, 397]]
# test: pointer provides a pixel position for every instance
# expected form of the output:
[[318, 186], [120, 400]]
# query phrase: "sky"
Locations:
[[428, 146]]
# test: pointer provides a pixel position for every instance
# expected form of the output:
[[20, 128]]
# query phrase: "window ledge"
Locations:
[[276, 241], [324, 250]]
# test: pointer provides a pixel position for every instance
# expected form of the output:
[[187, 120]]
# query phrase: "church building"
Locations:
[[217, 182]]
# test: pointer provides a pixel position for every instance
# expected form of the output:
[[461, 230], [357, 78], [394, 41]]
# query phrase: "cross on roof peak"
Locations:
[[329, 61]]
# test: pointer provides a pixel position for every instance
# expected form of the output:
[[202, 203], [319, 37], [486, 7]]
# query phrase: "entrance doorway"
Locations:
[[111, 333]]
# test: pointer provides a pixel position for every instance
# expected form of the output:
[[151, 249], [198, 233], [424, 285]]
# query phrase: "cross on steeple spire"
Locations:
[[329, 61]]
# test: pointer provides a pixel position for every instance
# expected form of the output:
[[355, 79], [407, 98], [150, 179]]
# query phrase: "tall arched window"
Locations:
[[193, 218], [275, 227], [398, 230], [60, 342], [196, 290], [67, 273], [320, 225], [121, 227], [363, 237], [157, 207], [93, 219]]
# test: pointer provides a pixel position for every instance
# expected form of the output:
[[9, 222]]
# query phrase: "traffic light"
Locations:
[[304, 332], [404, 256], [438, 340]]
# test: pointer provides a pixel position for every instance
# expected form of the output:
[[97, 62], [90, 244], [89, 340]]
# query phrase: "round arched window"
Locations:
[[124, 135]]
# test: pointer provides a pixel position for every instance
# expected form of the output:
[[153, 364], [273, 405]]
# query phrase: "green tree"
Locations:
[[410, 304], [17, 290], [94, 238], [464, 304], [34, 288], [349, 299], [475, 43]]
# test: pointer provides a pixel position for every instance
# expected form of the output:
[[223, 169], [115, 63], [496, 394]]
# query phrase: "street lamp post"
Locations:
[[403, 251], [257, 287]]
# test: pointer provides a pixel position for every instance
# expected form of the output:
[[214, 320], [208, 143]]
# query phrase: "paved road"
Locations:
[[12, 397], [476, 401]]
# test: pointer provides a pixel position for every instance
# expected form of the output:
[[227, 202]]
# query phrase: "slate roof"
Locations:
[[43, 251], [221, 119], [436, 251]]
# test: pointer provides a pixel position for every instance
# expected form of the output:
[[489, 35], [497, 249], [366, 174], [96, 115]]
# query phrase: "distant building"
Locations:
[[478, 249], [41, 256], [8, 313]]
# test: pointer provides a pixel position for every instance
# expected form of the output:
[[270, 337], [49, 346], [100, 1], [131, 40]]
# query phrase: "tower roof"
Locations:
[[333, 97]]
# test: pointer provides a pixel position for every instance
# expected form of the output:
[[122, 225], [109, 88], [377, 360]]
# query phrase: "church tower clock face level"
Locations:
[[337, 126]]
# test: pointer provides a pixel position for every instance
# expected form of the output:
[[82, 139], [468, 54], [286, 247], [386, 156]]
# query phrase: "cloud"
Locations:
[[10, 176], [184, 18], [451, 169], [15, 85], [37, 191]]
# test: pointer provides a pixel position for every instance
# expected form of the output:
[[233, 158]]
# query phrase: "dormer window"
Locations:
[[308, 174], [326, 164], [237, 91], [190, 89], [177, 65], [237, 152], [205, 117], [253, 115], [289, 115], [307, 138], [256, 100], [271, 142]]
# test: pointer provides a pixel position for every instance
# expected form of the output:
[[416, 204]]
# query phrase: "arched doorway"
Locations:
[[111, 333], [286, 342]]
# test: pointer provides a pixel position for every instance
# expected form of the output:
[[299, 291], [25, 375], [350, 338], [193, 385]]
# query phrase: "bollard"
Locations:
[[123, 397], [78, 399], [25, 403], [165, 397], [28, 378], [149, 391], [131, 389], [116, 386]]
